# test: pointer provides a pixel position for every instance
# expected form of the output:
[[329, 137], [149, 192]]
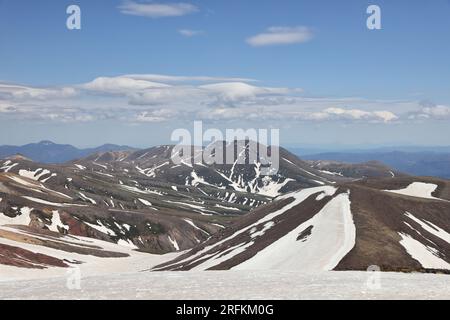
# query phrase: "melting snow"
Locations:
[[22, 219], [8, 165], [145, 202], [227, 208], [223, 256], [174, 243], [48, 178], [195, 226], [326, 193], [127, 243], [196, 180], [431, 228], [134, 189], [37, 187], [102, 228], [186, 204], [56, 222], [151, 172], [52, 203], [331, 173], [426, 256], [100, 165], [261, 232], [332, 236], [104, 174], [25, 183], [272, 188], [87, 198], [35, 175], [418, 189], [299, 197]]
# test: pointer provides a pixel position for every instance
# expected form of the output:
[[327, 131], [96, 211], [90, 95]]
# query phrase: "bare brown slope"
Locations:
[[379, 217]]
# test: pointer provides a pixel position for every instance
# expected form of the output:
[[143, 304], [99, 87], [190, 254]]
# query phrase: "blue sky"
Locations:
[[333, 82]]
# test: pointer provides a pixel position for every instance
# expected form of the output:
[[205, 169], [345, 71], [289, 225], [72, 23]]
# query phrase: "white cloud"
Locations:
[[20, 92], [386, 116], [357, 114], [437, 112], [4, 107], [190, 33], [281, 36], [157, 10], [42, 111], [233, 91], [270, 114], [120, 85], [155, 98], [141, 91]]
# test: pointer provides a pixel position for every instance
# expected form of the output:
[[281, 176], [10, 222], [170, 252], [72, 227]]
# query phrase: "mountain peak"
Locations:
[[46, 143]]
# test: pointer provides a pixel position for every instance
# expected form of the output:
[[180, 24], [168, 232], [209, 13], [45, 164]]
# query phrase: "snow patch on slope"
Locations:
[[101, 227], [174, 243], [36, 174], [418, 189], [332, 236], [272, 188], [22, 219], [426, 256], [431, 228], [8, 165], [84, 197], [56, 222]]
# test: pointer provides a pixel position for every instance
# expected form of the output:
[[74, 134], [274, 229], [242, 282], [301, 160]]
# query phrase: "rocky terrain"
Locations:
[[308, 216], [396, 224], [139, 199]]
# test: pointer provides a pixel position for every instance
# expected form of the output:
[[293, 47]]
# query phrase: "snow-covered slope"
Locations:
[[339, 227], [324, 240], [236, 285], [30, 254]]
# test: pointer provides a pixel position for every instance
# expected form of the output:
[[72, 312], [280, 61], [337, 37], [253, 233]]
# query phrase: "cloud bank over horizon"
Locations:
[[137, 98]]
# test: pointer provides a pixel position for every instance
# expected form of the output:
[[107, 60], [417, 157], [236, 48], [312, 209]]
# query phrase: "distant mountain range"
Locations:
[[417, 161], [49, 152]]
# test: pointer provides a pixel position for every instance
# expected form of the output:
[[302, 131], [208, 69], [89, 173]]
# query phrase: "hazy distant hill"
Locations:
[[419, 163], [49, 152]]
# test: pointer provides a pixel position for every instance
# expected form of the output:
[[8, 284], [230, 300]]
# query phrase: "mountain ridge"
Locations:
[[46, 151]]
